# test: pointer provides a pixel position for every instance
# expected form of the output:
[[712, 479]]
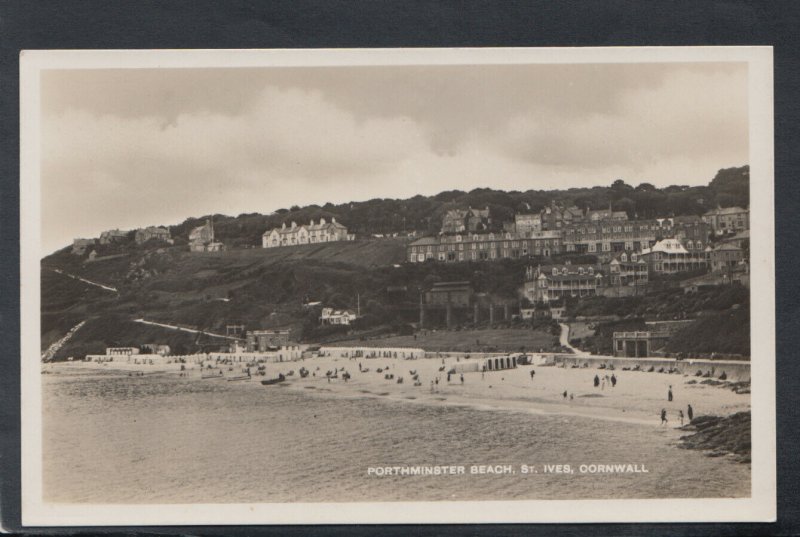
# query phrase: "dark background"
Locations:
[[336, 24]]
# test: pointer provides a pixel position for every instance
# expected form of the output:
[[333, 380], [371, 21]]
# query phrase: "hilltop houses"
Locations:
[[728, 220], [113, 235], [469, 220], [312, 233], [79, 246], [152, 232], [201, 239]]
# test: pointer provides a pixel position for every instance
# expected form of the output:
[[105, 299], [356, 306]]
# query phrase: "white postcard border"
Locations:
[[761, 506]]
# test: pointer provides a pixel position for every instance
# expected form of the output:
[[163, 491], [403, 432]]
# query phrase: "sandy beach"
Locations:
[[638, 397]]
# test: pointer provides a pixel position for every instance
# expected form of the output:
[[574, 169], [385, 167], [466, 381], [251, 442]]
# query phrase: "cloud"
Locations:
[[126, 148]]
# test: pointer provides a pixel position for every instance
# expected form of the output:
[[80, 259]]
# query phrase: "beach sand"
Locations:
[[637, 398]]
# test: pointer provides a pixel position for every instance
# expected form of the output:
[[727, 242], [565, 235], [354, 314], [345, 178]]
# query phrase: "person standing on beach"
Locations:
[[603, 385], [669, 393], [596, 381], [613, 380], [664, 416], [565, 394], [689, 413], [462, 379], [680, 416]]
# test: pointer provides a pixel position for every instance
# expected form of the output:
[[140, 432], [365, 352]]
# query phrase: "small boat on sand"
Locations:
[[239, 377], [279, 379]]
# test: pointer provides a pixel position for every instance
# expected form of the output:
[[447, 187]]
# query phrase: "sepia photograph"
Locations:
[[443, 285]]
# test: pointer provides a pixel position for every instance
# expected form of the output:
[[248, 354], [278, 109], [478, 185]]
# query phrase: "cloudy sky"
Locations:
[[133, 147]]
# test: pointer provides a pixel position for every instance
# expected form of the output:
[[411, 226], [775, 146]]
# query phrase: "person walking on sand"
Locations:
[[564, 394], [462, 379], [669, 394], [596, 381], [680, 416], [613, 380], [689, 413], [532, 373], [664, 416]]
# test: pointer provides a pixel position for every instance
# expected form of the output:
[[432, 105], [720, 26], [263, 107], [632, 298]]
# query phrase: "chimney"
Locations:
[[312, 222], [294, 224], [333, 219], [283, 226], [322, 221]]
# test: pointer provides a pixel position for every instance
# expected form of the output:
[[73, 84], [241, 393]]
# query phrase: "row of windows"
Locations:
[[546, 243]]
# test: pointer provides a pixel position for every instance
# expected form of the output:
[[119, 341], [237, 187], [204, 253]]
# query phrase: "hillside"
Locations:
[[267, 288], [261, 288]]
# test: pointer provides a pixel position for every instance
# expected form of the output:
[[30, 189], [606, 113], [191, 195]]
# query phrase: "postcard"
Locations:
[[397, 286]]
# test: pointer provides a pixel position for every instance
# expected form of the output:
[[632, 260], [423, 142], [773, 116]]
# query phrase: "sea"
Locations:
[[161, 438]]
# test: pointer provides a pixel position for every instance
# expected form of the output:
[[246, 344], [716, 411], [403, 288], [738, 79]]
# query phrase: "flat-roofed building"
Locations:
[[265, 340]]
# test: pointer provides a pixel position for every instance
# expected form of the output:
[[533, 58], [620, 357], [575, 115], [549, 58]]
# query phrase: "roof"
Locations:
[[727, 247], [689, 219], [425, 241], [720, 211], [666, 246], [308, 227], [743, 235], [441, 285]]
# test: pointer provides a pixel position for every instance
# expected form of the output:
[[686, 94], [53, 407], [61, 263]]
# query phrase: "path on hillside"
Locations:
[[184, 329], [84, 280], [564, 340], [55, 347]]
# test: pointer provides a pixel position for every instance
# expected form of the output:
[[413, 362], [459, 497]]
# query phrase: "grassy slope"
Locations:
[[260, 288]]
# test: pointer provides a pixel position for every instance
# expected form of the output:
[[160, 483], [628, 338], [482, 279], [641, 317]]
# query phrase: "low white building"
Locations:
[[339, 317]]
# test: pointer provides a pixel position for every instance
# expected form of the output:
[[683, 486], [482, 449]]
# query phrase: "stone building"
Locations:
[[607, 237], [201, 239], [312, 233], [728, 220], [526, 223], [79, 246], [725, 257], [485, 247], [466, 220], [152, 232], [113, 235]]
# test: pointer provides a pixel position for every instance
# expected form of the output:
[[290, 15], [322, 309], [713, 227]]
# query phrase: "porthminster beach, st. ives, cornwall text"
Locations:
[[377, 283]]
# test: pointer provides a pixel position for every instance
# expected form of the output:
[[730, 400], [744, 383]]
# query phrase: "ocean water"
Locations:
[[110, 438]]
